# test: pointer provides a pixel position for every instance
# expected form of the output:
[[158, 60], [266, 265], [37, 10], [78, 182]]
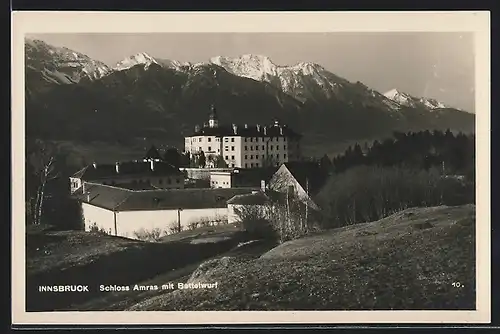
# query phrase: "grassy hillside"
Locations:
[[406, 261], [94, 259]]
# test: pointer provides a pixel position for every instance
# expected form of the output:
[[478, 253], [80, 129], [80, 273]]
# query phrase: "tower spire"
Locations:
[[213, 120]]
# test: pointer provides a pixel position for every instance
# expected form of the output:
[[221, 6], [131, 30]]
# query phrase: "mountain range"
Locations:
[[70, 96]]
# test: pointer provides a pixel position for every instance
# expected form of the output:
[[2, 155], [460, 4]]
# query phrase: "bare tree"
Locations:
[[42, 156]]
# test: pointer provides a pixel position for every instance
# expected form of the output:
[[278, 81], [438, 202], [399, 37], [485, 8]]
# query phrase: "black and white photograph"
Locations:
[[205, 170]]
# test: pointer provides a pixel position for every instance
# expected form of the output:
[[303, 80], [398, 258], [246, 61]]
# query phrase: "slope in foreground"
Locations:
[[408, 261]]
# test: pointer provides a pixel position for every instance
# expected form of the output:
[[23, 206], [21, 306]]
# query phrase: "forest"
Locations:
[[414, 169]]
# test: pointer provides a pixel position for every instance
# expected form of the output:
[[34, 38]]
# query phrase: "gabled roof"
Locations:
[[119, 199], [308, 174], [126, 170], [80, 173]]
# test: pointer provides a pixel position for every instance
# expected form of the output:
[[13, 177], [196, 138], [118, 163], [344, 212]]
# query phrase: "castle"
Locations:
[[247, 146]]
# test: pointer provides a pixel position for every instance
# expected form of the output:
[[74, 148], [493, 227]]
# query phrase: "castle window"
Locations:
[[284, 147], [245, 139], [256, 164], [251, 157], [263, 147], [246, 148], [284, 156], [271, 147], [251, 148], [226, 148], [232, 165], [246, 165], [209, 139], [226, 139], [277, 156], [232, 140], [246, 156], [232, 157], [227, 157], [210, 149], [251, 164], [200, 139], [232, 148]]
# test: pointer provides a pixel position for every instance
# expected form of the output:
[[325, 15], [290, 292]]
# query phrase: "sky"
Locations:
[[424, 64]]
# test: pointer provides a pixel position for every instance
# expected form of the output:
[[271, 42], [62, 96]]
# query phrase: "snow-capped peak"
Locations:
[[139, 58], [60, 64], [398, 96], [433, 103], [256, 67], [408, 100]]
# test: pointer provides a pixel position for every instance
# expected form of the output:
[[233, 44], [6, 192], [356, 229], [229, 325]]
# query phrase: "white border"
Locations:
[[120, 22]]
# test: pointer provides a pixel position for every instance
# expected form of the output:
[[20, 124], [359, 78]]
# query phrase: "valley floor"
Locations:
[[409, 260]]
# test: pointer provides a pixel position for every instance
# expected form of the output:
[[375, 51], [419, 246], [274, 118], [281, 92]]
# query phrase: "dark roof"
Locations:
[[248, 131], [253, 176], [119, 199], [126, 169], [308, 174], [102, 196], [254, 198], [136, 186]]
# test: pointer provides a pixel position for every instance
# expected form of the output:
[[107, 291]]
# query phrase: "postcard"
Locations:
[[250, 168]]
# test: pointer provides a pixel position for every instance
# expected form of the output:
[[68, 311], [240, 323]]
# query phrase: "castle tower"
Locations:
[[213, 120]]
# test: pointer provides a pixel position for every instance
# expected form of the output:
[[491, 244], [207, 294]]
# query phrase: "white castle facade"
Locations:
[[247, 146]]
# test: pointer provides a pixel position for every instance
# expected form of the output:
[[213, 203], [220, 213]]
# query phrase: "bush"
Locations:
[[278, 221], [207, 221], [192, 226], [173, 227], [148, 235], [256, 222], [96, 229]]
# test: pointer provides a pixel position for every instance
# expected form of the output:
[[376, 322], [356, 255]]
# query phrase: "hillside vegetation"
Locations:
[[410, 260]]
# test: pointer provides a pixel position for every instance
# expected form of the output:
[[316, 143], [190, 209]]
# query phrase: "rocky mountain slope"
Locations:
[[404, 99], [47, 64], [72, 97]]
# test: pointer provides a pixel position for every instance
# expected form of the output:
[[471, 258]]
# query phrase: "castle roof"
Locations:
[[247, 131]]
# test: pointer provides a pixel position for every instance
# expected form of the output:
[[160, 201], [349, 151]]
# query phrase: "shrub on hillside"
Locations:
[[173, 227], [371, 193], [277, 221], [256, 222], [152, 235], [96, 229]]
